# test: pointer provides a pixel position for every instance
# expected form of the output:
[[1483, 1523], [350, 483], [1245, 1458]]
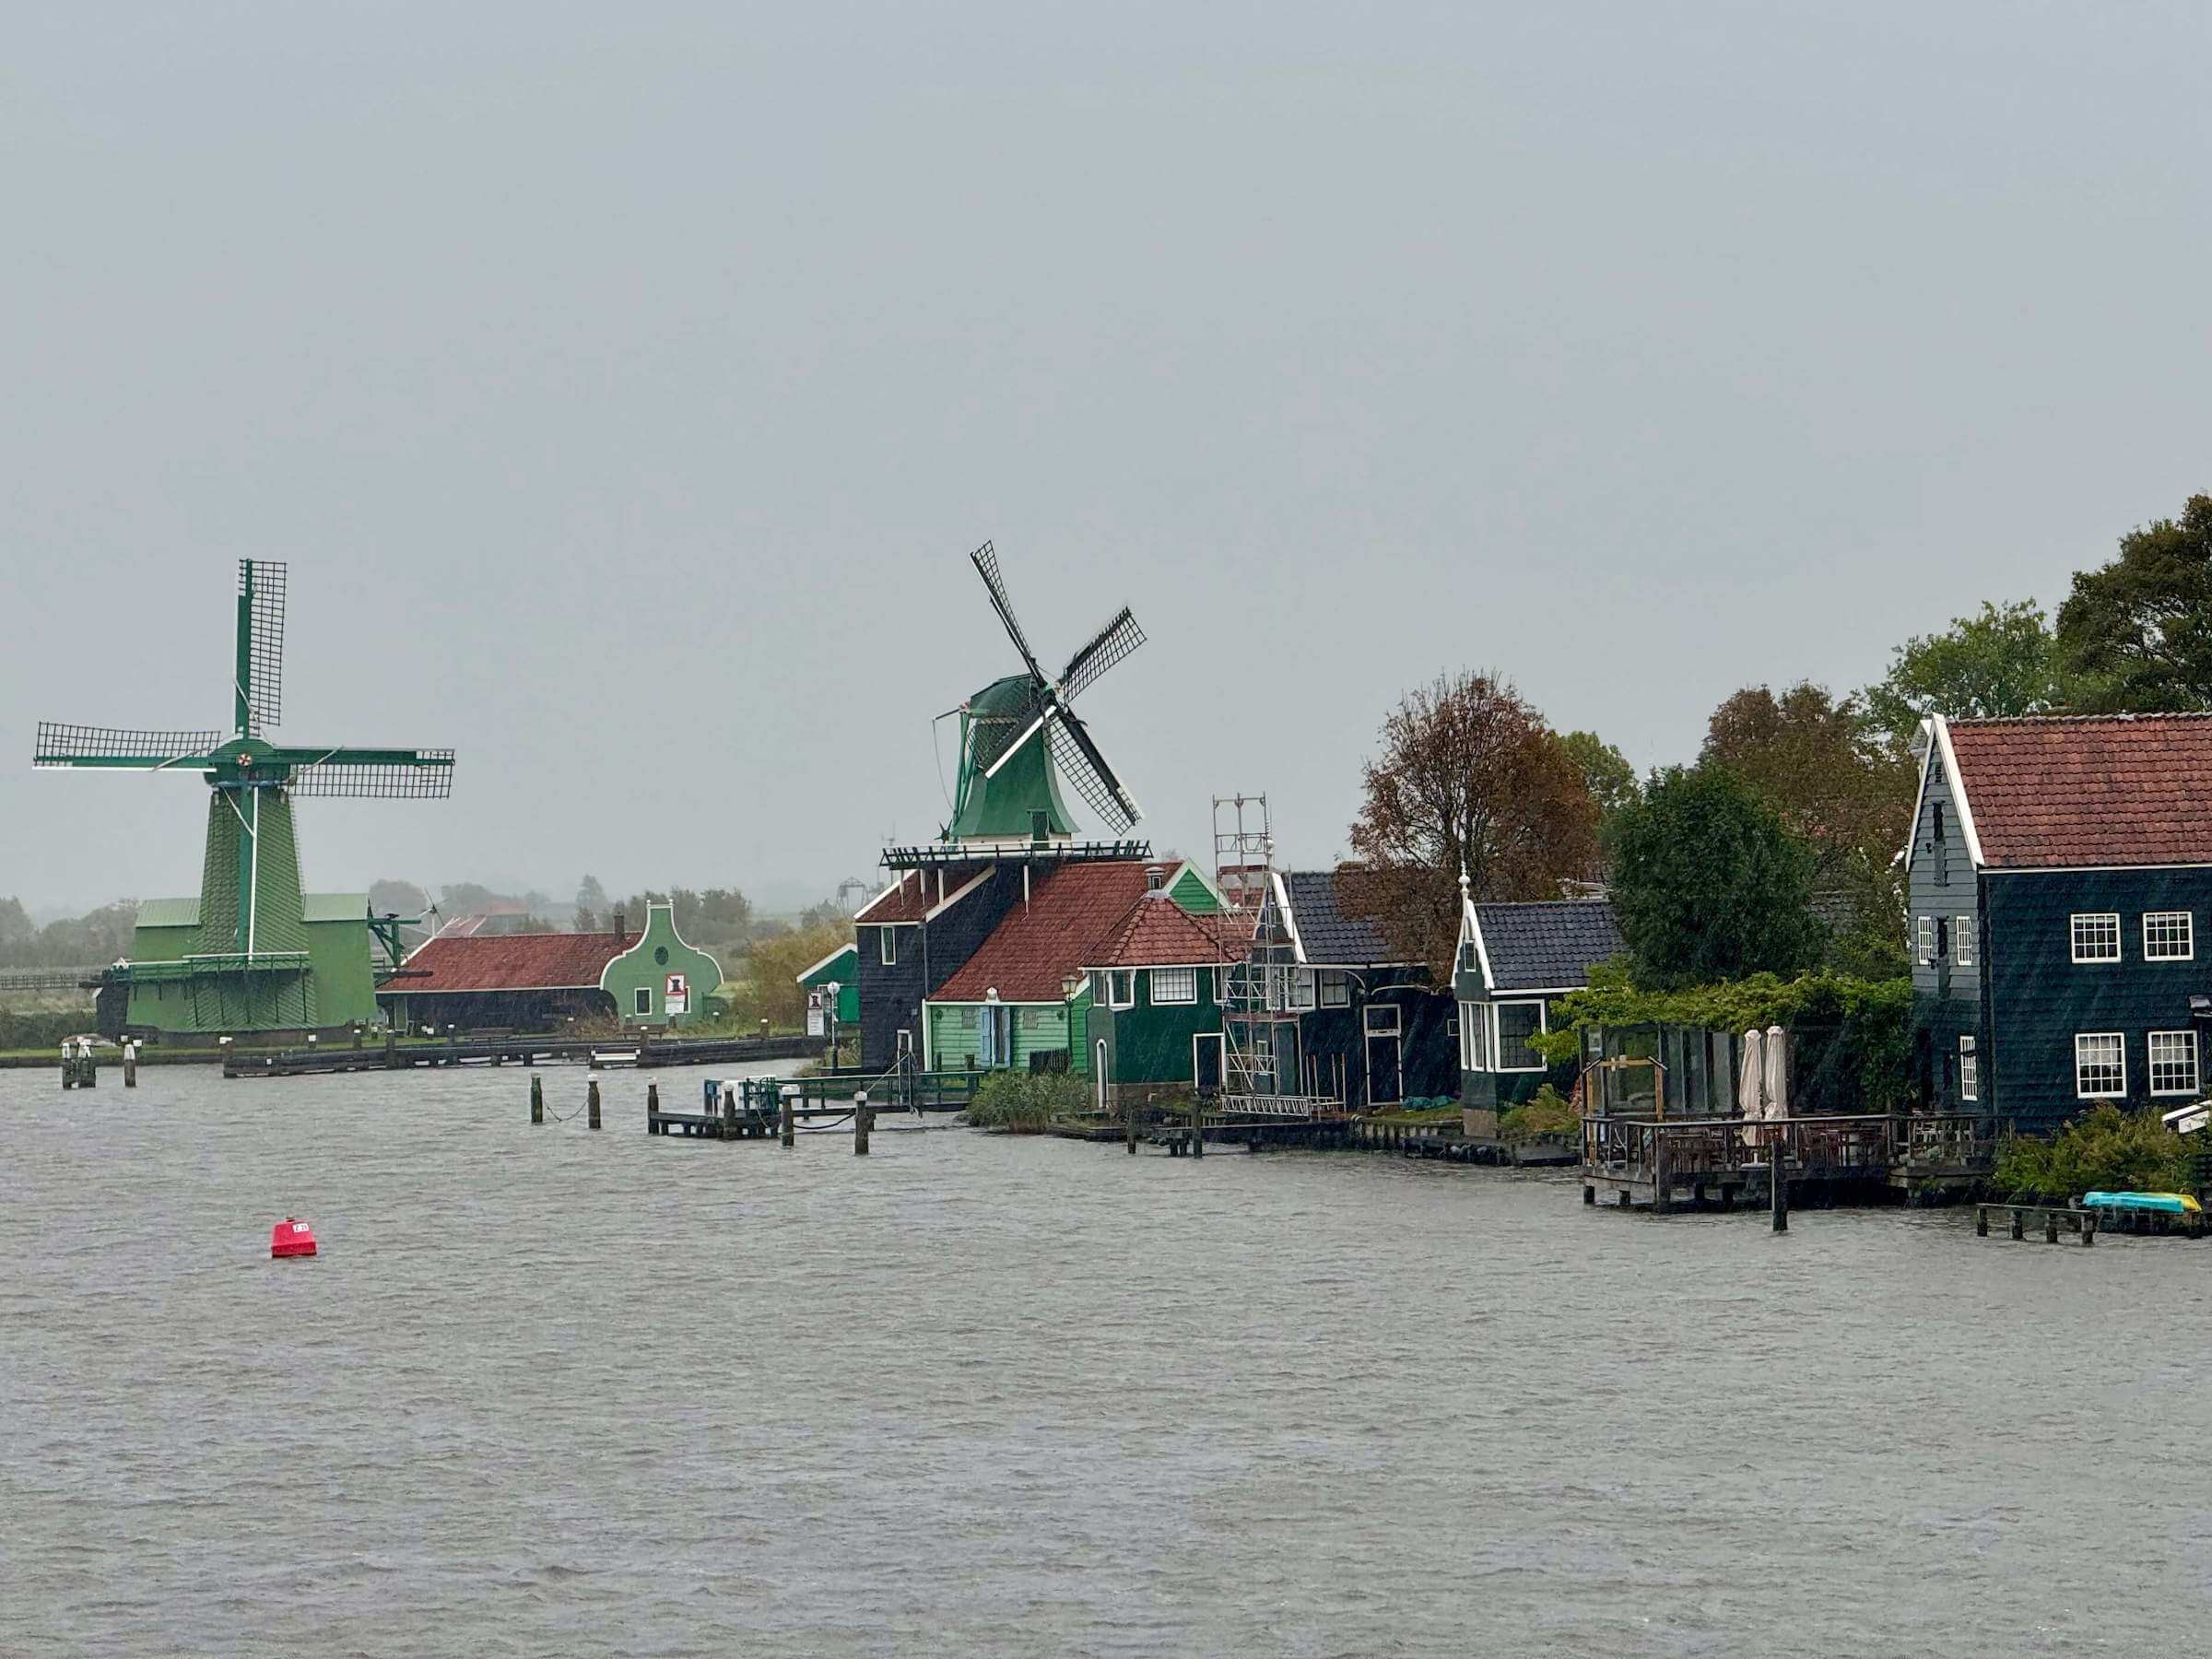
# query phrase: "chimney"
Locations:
[[1156, 877], [619, 934]]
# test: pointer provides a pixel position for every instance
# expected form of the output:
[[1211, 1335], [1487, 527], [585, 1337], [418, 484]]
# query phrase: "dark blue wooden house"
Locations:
[[1356, 1021], [1515, 961], [2058, 869]]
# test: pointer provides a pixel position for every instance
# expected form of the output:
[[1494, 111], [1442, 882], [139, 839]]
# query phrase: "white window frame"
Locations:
[[1115, 980], [2074, 933], [1333, 987], [2151, 1060], [1301, 989], [2119, 1041], [1098, 988], [1962, 941], [1498, 1033], [1382, 1019], [1925, 936], [1475, 1036], [1969, 1070], [1179, 988], [641, 1000], [887, 946], [2187, 953]]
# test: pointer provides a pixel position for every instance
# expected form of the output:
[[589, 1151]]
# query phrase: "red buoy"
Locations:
[[290, 1238]]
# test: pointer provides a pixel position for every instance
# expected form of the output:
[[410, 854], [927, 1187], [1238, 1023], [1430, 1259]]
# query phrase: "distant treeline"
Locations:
[[103, 935]]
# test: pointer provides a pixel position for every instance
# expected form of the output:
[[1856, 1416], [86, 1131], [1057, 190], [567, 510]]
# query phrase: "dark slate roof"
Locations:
[[1332, 938], [2123, 789], [1547, 947]]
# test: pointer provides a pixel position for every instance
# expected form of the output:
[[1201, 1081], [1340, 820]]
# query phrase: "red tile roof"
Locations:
[[2130, 789], [914, 894], [509, 963], [1156, 932], [1030, 956]]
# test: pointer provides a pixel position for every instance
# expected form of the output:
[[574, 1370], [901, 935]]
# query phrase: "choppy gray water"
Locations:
[[549, 1392]]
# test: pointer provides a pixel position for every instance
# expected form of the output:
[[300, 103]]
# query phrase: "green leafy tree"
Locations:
[[2000, 663], [1606, 774], [2140, 630], [1709, 885], [591, 905]]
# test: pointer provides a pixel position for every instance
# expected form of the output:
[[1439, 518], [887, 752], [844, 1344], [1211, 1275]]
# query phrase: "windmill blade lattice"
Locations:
[[1081, 764], [985, 558], [1107, 647], [429, 778], [59, 743], [261, 584]]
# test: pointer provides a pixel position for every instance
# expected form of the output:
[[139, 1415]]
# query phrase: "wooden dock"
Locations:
[[1717, 1162], [766, 1108], [644, 1051]]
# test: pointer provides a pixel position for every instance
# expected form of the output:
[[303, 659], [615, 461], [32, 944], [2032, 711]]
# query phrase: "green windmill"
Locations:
[[1019, 738], [253, 951]]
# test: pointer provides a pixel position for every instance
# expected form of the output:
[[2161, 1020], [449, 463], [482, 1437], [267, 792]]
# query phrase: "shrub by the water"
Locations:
[[2104, 1149], [1549, 1116], [1027, 1101], [43, 1028]]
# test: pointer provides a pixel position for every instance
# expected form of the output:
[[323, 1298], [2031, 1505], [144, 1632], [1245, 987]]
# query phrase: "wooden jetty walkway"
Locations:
[[765, 1108], [642, 1050], [1874, 1157]]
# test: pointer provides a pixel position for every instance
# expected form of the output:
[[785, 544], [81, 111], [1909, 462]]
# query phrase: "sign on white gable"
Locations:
[[676, 999], [816, 1024], [2188, 1120]]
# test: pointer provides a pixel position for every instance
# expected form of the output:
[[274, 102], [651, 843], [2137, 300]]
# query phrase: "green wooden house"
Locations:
[[327, 981], [1514, 962], [1022, 998], [1156, 990], [840, 968], [660, 980]]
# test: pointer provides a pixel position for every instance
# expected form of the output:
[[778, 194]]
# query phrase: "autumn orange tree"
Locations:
[[1841, 787], [1469, 776]]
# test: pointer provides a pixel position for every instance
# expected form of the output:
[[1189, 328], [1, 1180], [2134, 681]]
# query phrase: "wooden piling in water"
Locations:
[[591, 1102], [791, 1118], [1778, 1190], [538, 1098], [1197, 1128], [1129, 1122], [864, 1118]]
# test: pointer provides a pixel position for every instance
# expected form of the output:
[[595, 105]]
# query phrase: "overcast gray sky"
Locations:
[[625, 385]]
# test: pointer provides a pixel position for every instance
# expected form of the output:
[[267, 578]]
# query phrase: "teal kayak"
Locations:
[[2172, 1204]]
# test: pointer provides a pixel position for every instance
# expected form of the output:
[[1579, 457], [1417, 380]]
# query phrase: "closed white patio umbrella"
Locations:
[[1777, 1061], [1751, 1082]]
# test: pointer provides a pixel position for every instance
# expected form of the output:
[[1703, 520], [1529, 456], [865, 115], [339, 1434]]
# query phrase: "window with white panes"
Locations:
[[1925, 939], [2097, 936], [2168, 936], [2099, 1066], [1963, 940], [1336, 988], [1969, 1070], [1175, 986], [1302, 987], [1122, 988], [2173, 1063], [1475, 1037]]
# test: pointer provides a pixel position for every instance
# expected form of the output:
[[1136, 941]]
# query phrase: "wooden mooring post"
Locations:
[[864, 1119], [538, 1098], [130, 1064], [790, 1114], [591, 1103], [1197, 1126], [1129, 1122], [1778, 1187]]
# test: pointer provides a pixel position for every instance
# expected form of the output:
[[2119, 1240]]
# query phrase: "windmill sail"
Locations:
[[60, 742], [261, 586], [1107, 647], [1081, 764], [986, 566], [416, 775]]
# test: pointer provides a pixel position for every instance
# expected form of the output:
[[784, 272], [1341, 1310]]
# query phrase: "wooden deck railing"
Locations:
[[1693, 1149]]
